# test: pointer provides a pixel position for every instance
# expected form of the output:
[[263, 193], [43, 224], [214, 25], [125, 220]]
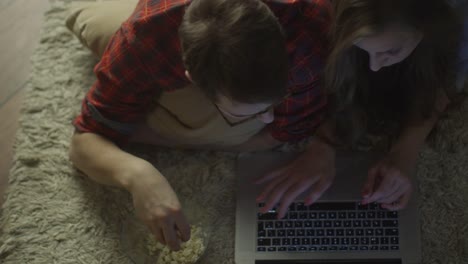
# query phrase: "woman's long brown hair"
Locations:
[[412, 84]]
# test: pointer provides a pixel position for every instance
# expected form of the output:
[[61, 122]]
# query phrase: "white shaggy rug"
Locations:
[[54, 215]]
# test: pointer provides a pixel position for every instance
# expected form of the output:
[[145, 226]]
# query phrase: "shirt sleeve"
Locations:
[[299, 115], [131, 74]]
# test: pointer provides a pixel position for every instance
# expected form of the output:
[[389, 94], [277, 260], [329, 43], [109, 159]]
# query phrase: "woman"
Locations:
[[393, 63]]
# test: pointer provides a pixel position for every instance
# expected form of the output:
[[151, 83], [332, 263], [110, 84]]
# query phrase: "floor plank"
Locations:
[[20, 23]]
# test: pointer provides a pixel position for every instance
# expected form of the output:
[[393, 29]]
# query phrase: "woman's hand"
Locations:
[[389, 182]]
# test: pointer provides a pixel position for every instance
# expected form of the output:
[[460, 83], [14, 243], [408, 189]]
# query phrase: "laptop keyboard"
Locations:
[[344, 226]]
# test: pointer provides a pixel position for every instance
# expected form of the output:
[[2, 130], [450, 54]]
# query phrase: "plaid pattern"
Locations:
[[144, 58]]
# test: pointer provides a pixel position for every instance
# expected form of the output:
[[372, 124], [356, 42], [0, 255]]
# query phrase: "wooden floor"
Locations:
[[20, 23]]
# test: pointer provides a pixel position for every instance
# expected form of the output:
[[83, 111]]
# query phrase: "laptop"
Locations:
[[335, 229]]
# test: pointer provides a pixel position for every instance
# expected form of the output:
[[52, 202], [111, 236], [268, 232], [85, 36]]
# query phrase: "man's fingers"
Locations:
[[169, 232], [275, 195], [394, 196], [289, 196], [368, 187], [268, 188], [317, 191], [383, 189], [270, 175], [183, 227], [157, 232]]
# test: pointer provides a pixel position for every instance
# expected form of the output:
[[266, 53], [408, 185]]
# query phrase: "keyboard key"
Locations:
[[288, 224], [320, 232], [369, 232], [381, 214], [340, 232], [325, 241], [390, 223], [383, 247], [305, 241], [261, 249], [366, 223], [322, 215], [286, 241], [337, 223], [376, 223], [278, 224], [391, 232], [353, 248], [359, 232], [333, 248], [268, 216], [347, 223], [349, 232], [296, 241], [315, 241], [269, 225], [361, 215], [302, 248], [282, 249], [374, 206], [272, 249], [263, 242], [330, 232], [323, 248], [281, 232], [361, 206], [271, 233], [318, 224], [291, 233], [370, 215], [307, 223], [327, 223], [335, 241], [303, 215], [342, 206], [292, 216], [332, 215], [363, 248], [343, 248], [276, 242], [357, 223], [342, 215], [392, 214], [292, 207], [300, 232], [301, 207], [384, 240], [379, 232], [364, 240], [394, 240], [355, 241], [298, 224], [310, 232], [395, 248], [313, 249], [261, 233], [374, 240], [374, 248], [313, 215], [292, 249], [351, 215], [345, 241]]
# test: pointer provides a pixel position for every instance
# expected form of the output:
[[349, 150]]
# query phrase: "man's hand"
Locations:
[[157, 205], [313, 171], [388, 181]]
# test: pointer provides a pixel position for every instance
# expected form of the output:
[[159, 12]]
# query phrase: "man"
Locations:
[[237, 75]]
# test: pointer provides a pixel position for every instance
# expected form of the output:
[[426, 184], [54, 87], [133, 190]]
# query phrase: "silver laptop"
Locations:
[[336, 229]]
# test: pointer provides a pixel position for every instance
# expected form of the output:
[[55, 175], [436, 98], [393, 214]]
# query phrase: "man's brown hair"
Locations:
[[235, 48]]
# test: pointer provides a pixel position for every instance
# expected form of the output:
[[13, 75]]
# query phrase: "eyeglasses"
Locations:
[[250, 117]]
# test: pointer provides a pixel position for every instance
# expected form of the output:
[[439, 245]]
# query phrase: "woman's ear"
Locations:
[[187, 74]]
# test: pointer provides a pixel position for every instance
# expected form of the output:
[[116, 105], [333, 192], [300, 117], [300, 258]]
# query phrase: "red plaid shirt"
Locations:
[[144, 57]]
